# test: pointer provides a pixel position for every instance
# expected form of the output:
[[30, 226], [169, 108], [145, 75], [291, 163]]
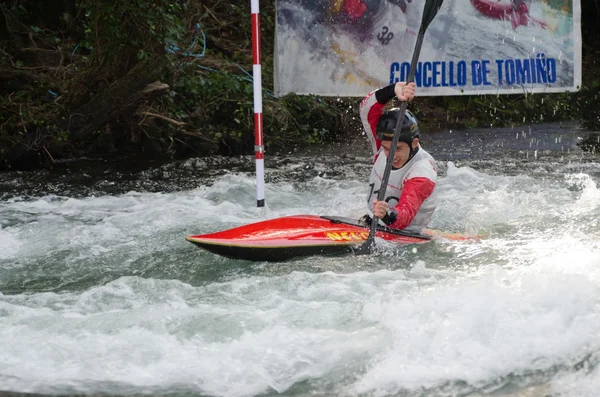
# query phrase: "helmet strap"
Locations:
[[413, 152]]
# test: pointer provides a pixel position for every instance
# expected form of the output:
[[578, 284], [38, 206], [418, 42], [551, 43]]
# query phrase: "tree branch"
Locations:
[[160, 116]]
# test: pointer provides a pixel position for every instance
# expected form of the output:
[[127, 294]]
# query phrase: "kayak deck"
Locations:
[[284, 238]]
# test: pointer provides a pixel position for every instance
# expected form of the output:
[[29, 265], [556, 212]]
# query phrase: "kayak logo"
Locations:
[[347, 236]]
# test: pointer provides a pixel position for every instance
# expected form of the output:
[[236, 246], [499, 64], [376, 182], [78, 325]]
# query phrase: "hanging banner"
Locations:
[[472, 47]]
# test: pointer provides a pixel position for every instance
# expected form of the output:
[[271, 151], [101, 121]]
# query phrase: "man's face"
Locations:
[[402, 151]]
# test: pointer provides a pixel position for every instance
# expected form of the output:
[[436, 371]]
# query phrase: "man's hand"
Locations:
[[380, 209], [405, 92]]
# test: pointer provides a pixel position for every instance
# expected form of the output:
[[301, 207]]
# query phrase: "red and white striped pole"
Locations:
[[259, 148]]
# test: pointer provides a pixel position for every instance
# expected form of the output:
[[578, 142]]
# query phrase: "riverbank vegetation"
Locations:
[[169, 79]]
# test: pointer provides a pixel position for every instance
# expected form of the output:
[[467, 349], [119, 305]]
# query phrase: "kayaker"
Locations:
[[357, 13], [520, 14], [519, 6], [410, 197]]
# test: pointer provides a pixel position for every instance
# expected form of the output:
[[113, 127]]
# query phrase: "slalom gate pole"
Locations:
[[259, 148]]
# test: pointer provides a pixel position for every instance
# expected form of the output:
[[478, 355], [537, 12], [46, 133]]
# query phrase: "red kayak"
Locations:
[[284, 238], [519, 16]]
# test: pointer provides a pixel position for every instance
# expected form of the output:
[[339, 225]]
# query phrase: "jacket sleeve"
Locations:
[[371, 109], [414, 192]]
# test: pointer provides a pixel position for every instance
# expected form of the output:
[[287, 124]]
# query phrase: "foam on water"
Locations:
[[372, 332], [585, 382], [485, 326], [9, 244], [159, 316]]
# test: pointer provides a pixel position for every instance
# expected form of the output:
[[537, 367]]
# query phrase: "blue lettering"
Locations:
[[418, 75], [451, 72], [394, 67], [404, 70], [551, 70], [541, 68], [522, 71], [462, 73], [444, 83], [426, 78], [476, 73], [436, 73], [485, 66], [499, 62], [509, 71], [538, 70]]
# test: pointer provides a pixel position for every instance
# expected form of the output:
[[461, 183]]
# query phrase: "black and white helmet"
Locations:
[[386, 126]]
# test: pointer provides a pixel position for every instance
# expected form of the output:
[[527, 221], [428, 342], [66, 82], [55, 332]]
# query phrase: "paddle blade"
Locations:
[[368, 246], [429, 12]]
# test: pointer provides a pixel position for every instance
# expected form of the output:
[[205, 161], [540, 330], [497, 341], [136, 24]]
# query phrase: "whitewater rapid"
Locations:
[[101, 293]]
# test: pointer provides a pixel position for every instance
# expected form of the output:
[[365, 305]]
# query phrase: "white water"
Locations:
[[103, 294]]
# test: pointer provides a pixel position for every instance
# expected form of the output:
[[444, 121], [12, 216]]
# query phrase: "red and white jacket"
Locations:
[[411, 189]]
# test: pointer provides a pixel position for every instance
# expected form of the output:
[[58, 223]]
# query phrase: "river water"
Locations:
[[101, 294]]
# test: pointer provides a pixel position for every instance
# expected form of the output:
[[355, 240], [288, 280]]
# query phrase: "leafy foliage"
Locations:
[[59, 56], [120, 33]]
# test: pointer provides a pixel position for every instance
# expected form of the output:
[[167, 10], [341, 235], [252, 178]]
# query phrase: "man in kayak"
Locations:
[[520, 14], [410, 197]]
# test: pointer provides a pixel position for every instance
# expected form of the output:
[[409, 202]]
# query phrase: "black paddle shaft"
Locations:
[[430, 11]]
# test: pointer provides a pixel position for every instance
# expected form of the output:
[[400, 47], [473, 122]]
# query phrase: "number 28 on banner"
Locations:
[[385, 36]]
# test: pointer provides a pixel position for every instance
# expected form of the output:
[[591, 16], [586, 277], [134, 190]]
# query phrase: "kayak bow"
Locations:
[[287, 237]]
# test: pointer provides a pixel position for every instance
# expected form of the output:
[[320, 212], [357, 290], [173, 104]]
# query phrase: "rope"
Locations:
[[248, 79], [73, 53], [174, 49]]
